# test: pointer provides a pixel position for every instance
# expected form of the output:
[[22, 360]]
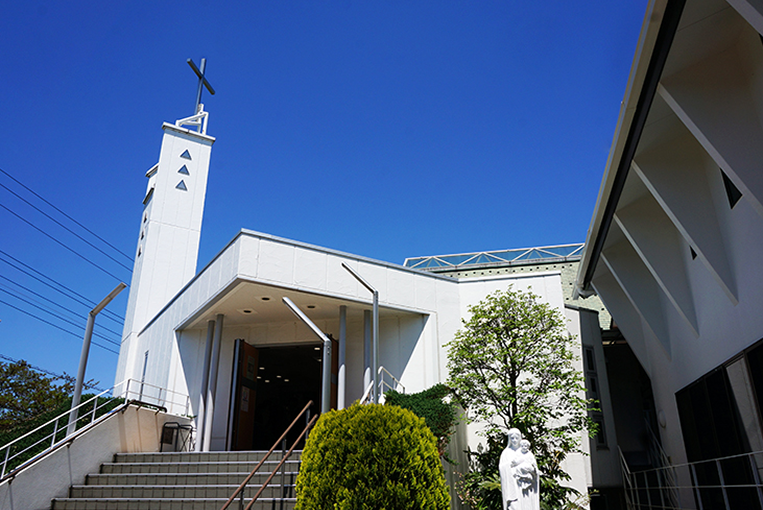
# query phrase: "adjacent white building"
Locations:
[[676, 239]]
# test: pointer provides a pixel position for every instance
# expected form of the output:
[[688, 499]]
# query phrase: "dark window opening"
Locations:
[[732, 192], [590, 360], [712, 428]]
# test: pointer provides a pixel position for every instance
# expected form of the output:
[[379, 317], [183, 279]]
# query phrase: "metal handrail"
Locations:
[[288, 454], [366, 398], [5, 450], [638, 482], [383, 383], [164, 398], [52, 437], [627, 480], [259, 464], [66, 441]]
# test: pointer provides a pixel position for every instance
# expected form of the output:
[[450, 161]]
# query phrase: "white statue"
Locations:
[[519, 475]]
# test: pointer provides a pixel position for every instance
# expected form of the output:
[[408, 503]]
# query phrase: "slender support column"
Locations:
[[375, 342], [342, 351], [212, 386], [366, 348], [200, 416]]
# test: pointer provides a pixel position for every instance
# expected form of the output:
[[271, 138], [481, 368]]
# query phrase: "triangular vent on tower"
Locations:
[[186, 155], [181, 185], [183, 170]]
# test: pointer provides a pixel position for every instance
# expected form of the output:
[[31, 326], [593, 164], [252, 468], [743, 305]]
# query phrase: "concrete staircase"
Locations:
[[187, 481]]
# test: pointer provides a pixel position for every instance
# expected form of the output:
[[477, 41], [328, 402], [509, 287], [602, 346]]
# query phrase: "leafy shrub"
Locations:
[[439, 415], [371, 457]]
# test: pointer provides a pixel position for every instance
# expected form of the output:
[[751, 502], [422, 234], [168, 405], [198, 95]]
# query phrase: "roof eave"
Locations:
[[660, 25]]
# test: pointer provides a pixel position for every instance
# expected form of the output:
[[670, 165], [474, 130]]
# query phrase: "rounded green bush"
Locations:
[[371, 457]]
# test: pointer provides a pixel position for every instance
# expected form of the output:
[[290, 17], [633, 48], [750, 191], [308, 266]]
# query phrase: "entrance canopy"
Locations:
[[246, 302]]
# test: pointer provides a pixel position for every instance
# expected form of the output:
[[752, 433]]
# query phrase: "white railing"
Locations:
[[723, 483], [366, 398], [383, 383], [45, 437], [174, 402]]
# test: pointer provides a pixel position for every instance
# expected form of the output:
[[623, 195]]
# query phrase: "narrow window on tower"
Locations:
[[143, 375]]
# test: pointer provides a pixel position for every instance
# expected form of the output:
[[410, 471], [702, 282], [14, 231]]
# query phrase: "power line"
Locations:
[[69, 217], [82, 299], [73, 312], [55, 325], [64, 376], [59, 317], [63, 226], [60, 243]]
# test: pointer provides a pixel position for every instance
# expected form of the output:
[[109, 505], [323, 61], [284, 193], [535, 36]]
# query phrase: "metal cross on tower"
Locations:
[[202, 81]]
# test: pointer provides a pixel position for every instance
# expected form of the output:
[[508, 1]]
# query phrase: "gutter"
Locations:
[[657, 34]]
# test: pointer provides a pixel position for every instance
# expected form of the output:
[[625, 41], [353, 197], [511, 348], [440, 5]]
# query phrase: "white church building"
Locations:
[[225, 337]]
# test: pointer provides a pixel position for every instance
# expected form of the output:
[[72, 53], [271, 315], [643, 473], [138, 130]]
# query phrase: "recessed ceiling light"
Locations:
[[267, 380], [265, 298], [316, 348], [278, 376], [285, 380], [262, 368], [259, 377], [247, 311]]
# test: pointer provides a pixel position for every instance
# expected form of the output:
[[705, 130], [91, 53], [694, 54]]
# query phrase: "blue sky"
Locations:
[[389, 129]]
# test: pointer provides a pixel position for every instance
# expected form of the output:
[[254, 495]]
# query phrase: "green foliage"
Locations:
[[511, 365], [26, 393], [371, 457], [481, 486], [439, 415], [43, 438], [28, 400]]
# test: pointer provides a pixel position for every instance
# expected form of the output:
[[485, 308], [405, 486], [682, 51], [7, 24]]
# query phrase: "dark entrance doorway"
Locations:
[[285, 379]]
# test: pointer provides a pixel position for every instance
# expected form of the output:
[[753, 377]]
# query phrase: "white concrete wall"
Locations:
[[265, 259], [685, 316], [424, 312], [33, 488], [170, 230]]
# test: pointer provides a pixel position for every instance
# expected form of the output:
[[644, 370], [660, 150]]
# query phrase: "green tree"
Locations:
[[26, 393], [511, 365]]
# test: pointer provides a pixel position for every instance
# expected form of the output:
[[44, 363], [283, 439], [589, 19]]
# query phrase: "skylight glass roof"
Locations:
[[496, 258]]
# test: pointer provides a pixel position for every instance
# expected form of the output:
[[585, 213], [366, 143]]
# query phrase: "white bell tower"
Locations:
[[170, 228]]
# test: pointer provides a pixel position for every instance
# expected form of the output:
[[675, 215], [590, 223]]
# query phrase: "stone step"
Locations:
[[194, 467], [250, 456], [165, 504], [186, 492], [232, 478]]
